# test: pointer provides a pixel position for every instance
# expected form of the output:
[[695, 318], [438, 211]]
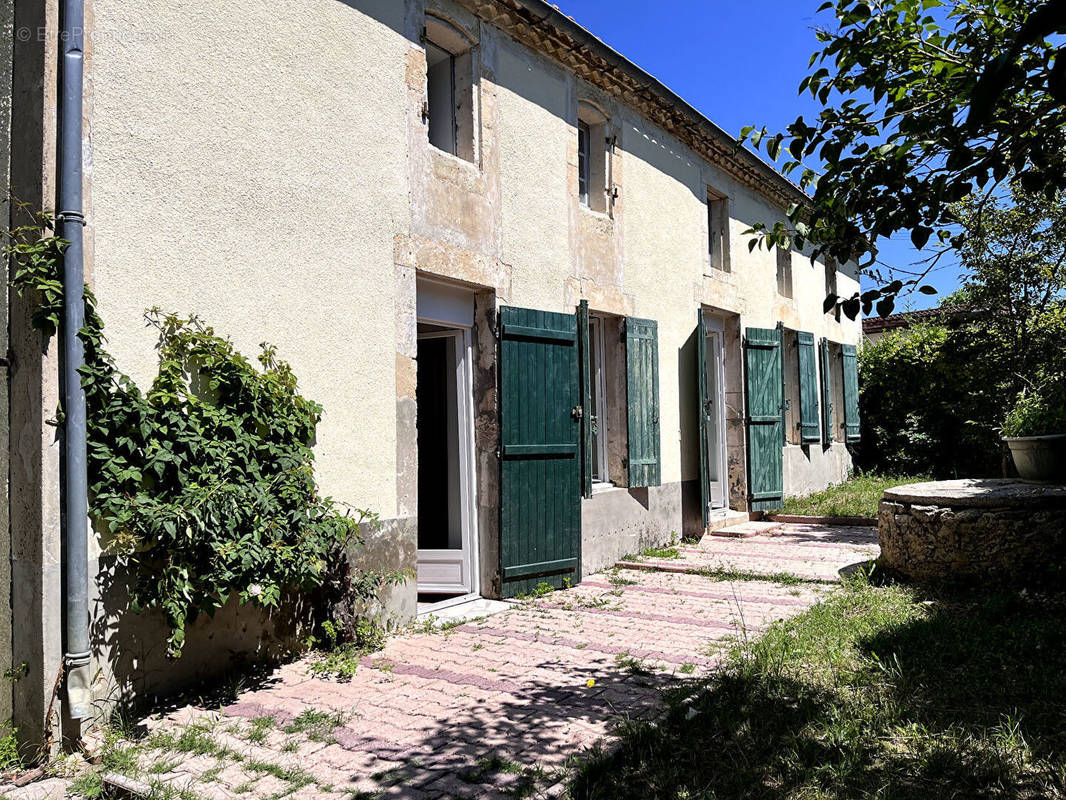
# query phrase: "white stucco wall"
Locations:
[[533, 133], [250, 167]]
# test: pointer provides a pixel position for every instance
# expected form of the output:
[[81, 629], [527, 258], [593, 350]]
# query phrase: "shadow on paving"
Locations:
[[515, 745], [880, 692], [828, 534]]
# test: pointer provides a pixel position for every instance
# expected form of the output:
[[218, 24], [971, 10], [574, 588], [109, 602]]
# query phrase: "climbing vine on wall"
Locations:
[[204, 485]]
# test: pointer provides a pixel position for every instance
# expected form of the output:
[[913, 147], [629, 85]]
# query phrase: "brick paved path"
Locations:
[[493, 708], [810, 552]]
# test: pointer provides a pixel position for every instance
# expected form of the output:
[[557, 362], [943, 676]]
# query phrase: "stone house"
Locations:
[[509, 264]]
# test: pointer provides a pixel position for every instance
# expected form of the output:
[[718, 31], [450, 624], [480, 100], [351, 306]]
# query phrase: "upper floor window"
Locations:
[[451, 89], [831, 283], [784, 272], [593, 159], [718, 229], [440, 90], [584, 161]]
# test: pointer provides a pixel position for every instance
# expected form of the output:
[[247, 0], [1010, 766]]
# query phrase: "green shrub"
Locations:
[[929, 404], [339, 651], [203, 486], [1040, 410], [933, 398], [9, 749]]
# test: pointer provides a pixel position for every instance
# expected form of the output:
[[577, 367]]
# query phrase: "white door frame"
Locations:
[[714, 333], [467, 472], [599, 378]]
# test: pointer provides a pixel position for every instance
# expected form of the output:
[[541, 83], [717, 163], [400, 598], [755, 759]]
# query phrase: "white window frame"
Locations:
[[584, 162], [600, 476], [718, 231], [452, 115]]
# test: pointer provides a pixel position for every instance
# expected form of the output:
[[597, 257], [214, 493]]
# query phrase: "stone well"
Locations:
[[1000, 530]]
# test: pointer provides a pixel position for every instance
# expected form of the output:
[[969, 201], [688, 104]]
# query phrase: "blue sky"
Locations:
[[739, 63]]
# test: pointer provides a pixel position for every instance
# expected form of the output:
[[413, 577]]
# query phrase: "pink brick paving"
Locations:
[[810, 552], [490, 708]]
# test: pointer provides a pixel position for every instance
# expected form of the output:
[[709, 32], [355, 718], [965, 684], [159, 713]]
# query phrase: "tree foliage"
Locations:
[[924, 103], [204, 485], [1014, 250], [935, 397]]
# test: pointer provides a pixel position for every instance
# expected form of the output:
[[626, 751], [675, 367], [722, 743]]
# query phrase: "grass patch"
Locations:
[[631, 664], [876, 693], [781, 578], [194, 739], [492, 765], [858, 497], [90, 785], [654, 552], [318, 726], [338, 657], [10, 758], [261, 726], [296, 778]]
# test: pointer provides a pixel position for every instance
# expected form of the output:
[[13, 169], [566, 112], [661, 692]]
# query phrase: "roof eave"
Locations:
[[538, 24]]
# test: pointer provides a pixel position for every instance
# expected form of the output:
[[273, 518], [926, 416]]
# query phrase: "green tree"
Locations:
[[934, 398], [924, 103], [1015, 252]]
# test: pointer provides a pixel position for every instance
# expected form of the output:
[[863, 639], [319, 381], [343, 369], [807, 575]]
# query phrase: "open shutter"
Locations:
[[540, 459], [642, 382], [810, 430], [762, 357], [851, 392], [827, 395], [584, 340], [701, 382]]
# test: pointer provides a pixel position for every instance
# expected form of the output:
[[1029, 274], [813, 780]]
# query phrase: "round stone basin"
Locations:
[[1003, 530]]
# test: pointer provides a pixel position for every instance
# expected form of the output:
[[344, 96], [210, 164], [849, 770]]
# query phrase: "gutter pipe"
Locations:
[[71, 224]]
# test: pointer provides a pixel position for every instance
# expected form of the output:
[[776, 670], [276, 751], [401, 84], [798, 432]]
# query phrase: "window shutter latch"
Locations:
[[577, 412]]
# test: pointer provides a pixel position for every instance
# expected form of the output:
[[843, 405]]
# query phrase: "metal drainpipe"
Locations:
[[71, 219]]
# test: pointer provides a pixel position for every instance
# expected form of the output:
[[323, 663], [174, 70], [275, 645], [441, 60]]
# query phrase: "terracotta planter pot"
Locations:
[[1039, 458]]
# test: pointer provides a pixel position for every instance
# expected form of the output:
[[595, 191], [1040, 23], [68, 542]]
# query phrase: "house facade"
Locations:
[[509, 264]]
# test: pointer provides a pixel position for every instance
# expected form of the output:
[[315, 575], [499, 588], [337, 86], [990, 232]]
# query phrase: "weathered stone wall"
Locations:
[[930, 535], [34, 503], [7, 20]]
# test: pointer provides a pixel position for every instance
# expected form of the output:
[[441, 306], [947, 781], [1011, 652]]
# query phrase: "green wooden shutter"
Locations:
[[540, 459], [810, 430], [642, 382], [701, 382], [584, 341], [762, 357], [827, 395], [851, 392]]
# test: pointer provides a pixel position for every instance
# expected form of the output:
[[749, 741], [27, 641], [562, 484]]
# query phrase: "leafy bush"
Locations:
[[339, 652], [204, 486], [933, 399], [9, 749], [1040, 410], [929, 404]]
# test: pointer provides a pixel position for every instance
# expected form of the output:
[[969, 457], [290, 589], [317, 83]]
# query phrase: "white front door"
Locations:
[[446, 526], [717, 470]]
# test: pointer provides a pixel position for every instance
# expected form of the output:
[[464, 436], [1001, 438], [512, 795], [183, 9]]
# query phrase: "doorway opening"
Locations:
[[715, 416], [447, 527]]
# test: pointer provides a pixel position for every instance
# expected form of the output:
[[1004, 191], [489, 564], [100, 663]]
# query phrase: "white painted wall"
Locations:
[[249, 166]]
